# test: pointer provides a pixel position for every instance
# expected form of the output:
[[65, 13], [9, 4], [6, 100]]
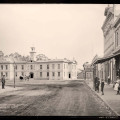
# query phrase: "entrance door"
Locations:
[[31, 75], [69, 75]]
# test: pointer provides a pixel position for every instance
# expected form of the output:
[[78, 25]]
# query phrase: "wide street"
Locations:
[[51, 98]]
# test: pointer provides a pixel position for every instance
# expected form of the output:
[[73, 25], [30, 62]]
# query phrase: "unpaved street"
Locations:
[[71, 98]]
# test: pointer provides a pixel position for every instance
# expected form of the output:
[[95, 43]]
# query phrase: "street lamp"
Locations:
[[14, 72]]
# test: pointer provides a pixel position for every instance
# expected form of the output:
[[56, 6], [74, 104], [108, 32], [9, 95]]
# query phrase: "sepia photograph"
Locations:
[[60, 60]]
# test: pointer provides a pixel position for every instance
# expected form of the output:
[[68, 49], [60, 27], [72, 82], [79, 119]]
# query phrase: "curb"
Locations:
[[108, 106]]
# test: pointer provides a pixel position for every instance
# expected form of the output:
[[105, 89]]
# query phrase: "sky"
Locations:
[[56, 30]]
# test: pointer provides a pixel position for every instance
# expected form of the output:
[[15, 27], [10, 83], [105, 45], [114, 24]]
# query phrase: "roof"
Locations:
[[108, 10], [104, 59], [117, 21]]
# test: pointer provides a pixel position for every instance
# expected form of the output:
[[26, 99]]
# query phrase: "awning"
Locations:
[[104, 59]]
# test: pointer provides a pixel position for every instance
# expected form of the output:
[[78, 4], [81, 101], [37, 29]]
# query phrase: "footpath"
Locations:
[[109, 97], [8, 88]]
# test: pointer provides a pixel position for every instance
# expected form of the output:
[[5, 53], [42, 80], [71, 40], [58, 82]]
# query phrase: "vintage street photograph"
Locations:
[[60, 60]]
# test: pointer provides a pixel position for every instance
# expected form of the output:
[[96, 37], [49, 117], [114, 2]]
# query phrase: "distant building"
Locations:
[[97, 68], [80, 74], [88, 71], [40, 69]]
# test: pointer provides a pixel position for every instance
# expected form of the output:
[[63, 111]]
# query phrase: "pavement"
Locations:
[[109, 97], [7, 89]]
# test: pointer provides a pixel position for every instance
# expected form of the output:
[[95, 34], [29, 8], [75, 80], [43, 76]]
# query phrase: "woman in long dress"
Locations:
[[116, 87]]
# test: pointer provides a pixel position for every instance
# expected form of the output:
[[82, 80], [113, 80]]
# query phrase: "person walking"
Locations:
[[3, 81], [116, 87], [96, 80], [108, 80], [97, 85], [102, 86]]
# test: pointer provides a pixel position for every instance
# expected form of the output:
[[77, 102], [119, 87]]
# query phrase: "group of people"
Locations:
[[117, 86], [97, 84], [25, 77]]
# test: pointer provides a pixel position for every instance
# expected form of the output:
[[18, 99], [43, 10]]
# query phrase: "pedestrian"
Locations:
[[119, 86], [3, 81], [97, 85], [96, 80], [102, 86], [108, 80], [116, 87]]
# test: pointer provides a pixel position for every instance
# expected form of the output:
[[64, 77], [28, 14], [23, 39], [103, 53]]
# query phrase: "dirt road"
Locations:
[[70, 99]]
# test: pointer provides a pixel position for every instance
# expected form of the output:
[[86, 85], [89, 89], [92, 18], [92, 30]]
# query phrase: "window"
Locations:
[[6, 67], [47, 66], [58, 74], [16, 74], [22, 73], [58, 66], [64, 66], [16, 67], [1, 67], [53, 66], [40, 74], [53, 73], [40, 66], [64, 73], [47, 74], [6, 74], [31, 67], [22, 67]]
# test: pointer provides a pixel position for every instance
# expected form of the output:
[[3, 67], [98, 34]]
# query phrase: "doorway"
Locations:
[[31, 75], [69, 75]]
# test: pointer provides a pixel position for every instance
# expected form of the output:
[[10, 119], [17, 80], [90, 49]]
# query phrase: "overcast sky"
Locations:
[[56, 30]]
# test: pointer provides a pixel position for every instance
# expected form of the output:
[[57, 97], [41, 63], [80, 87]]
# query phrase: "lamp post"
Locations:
[[14, 72]]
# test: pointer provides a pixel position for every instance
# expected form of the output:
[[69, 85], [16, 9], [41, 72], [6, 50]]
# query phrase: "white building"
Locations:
[[40, 69]]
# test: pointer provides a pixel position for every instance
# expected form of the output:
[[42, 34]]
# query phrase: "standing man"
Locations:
[[3, 82], [102, 86], [97, 85], [108, 80], [96, 80]]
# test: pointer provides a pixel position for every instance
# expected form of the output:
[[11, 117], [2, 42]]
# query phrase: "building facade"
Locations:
[[42, 68], [88, 71], [111, 32], [108, 33], [117, 44], [80, 74]]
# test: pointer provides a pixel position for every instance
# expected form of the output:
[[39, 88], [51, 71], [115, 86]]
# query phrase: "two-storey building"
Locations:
[[40, 68]]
